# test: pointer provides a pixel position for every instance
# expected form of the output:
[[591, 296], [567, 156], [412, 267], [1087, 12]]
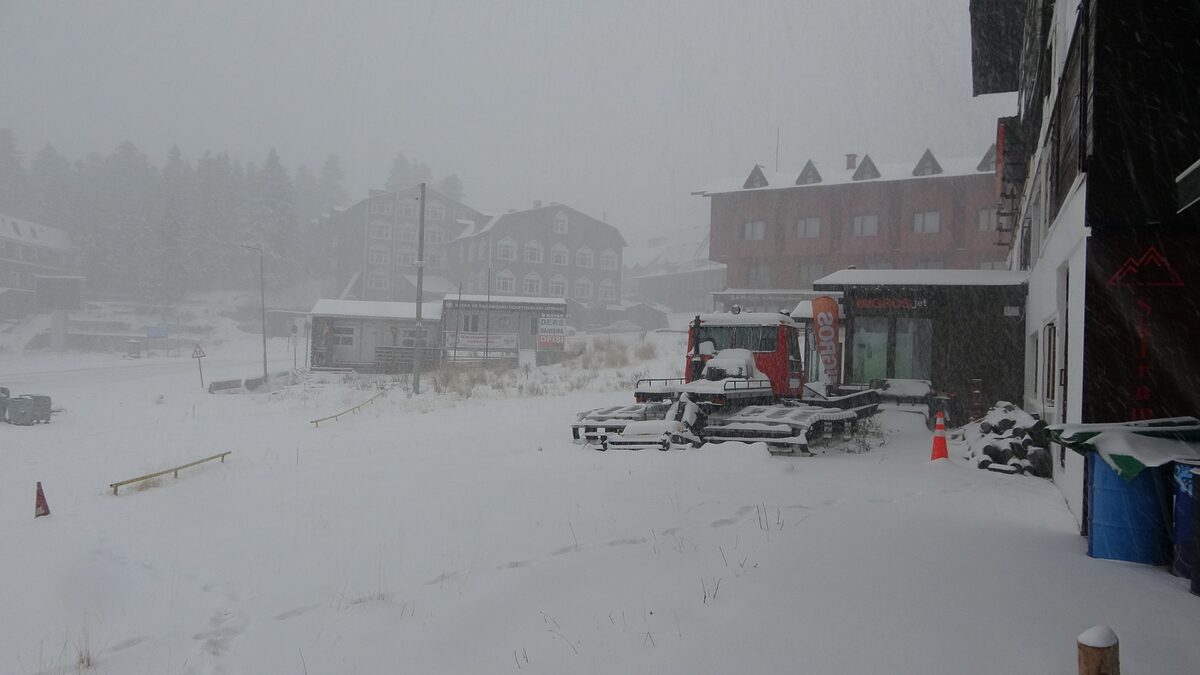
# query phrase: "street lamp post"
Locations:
[[262, 294], [420, 342]]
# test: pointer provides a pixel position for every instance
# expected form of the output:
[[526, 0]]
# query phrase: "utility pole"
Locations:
[[262, 294], [420, 342]]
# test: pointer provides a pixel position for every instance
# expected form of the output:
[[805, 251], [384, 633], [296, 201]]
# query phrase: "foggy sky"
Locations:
[[612, 106]]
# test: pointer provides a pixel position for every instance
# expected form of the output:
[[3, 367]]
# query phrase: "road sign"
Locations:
[[198, 354]]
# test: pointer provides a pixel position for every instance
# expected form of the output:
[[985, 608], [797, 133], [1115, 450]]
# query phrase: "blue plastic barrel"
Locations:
[[1185, 496], [1128, 520]]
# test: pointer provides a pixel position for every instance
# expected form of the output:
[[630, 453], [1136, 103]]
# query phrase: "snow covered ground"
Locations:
[[466, 534]]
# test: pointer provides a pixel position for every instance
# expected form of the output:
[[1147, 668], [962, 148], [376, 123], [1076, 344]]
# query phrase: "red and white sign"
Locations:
[[552, 331], [825, 329], [198, 353]]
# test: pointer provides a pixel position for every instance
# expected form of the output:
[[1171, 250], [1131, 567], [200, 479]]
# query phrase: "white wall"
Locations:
[[1057, 281]]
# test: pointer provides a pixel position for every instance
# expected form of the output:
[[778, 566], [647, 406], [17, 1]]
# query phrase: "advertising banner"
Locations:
[[826, 326], [480, 341], [552, 331]]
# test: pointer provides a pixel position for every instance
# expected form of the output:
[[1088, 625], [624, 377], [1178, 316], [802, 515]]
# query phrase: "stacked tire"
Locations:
[[1010, 441]]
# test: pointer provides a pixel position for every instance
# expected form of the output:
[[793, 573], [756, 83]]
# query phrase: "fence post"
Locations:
[[1099, 652]]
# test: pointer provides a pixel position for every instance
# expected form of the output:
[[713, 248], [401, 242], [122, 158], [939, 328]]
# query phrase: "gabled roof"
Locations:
[[756, 179], [866, 170], [809, 174], [988, 163], [927, 165], [548, 210], [34, 234]]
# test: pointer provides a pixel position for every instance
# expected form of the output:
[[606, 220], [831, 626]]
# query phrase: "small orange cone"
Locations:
[[940, 451], [40, 507]]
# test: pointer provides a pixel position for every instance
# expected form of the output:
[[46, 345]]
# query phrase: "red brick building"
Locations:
[[782, 230]]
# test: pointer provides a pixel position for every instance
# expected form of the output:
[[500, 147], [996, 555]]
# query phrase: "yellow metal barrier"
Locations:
[[317, 422], [175, 471]]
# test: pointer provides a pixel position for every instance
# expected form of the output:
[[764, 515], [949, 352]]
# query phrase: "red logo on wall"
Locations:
[[1152, 269]]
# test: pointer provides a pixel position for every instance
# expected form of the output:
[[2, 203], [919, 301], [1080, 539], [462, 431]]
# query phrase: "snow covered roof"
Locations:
[[376, 309], [432, 283], [667, 250], [507, 299], [34, 234], [836, 173], [746, 319], [854, 277]]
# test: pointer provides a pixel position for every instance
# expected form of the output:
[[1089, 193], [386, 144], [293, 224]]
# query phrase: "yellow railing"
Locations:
[[317, 422], [164, 472]]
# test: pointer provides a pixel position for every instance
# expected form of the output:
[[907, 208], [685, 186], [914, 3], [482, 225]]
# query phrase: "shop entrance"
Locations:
[[891, 347]]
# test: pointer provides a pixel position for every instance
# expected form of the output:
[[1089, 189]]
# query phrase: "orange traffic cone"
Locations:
[[40, 507], [940, 451]]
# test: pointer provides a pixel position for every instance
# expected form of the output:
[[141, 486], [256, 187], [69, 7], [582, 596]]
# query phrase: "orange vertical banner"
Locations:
[[826, 326]]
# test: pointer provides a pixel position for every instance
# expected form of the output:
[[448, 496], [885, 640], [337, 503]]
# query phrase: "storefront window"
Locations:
[[870, 348], [913, 339]]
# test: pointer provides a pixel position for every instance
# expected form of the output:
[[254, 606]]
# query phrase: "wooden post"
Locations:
[[1099, 652]]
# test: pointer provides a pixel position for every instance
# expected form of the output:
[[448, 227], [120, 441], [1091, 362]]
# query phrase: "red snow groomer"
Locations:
[[743, 381]]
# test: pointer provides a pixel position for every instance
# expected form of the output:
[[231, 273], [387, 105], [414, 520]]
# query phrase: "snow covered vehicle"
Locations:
[[743, 381]]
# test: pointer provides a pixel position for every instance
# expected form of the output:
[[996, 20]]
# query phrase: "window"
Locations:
[[558, 286], [808, 228], [608, 260], [754, 230], [533, 284], [381, 207], [1050, 349], [435, 212], [434, 235], [583, 257], [913, 355], [559, 255], [470, 323], [993, 265], [927, 222], [811, 271], [406, 257], [754, 338], [608, 291], [880, 265], [409, 208], [377, 282], [583, 289], [380, 229], [435, 258], [407, 235], [533, 252], [343, 335], [986, 219], [929, 264], [379, 255], [759, 276], [865, 225], [505, 282], [560, 223], [868, 345], [506, 249]]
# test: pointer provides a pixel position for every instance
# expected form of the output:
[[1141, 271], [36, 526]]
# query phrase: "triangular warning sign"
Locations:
[[198, 353]]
